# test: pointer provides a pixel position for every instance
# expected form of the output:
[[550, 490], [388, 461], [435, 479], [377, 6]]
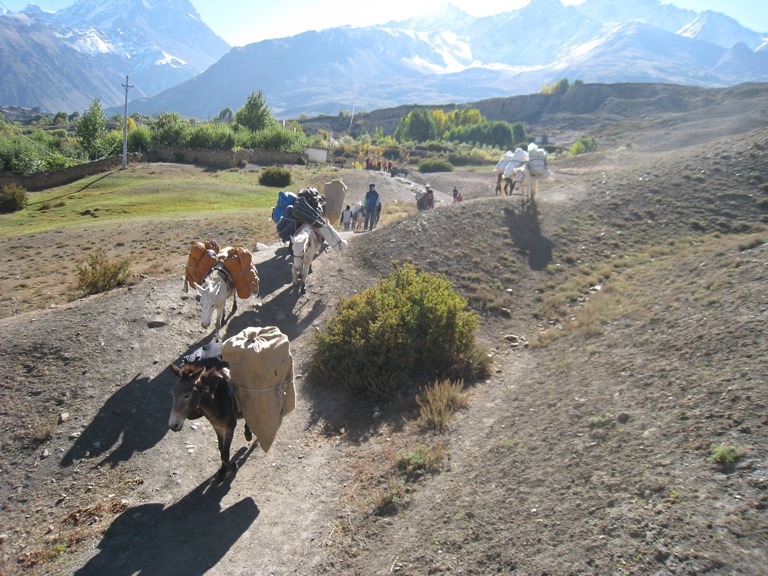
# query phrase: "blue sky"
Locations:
[[240, 22]]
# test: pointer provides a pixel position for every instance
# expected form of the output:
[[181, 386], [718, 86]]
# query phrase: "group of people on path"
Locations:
[[371, 210], [372, 206]]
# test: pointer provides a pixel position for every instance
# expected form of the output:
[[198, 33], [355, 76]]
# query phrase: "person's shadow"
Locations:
[[132, 420], [188, 537]]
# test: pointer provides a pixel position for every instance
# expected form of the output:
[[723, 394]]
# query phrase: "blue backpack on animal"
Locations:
[[284, 199]]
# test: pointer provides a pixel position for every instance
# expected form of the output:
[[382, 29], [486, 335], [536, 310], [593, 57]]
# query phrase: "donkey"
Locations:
[[200, 391], [305, 245], [217, 287]]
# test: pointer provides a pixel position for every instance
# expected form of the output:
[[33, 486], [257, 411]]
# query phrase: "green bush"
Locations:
[[434, 165], [411, 327], [583, 145], [98, 274], [12, 198], [275, 176], [724, 456]]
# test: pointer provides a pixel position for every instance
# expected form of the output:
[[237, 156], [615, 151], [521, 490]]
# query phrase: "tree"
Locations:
[[91, 128], [225, 116], [170, 129], [418, 125], [255, 114]]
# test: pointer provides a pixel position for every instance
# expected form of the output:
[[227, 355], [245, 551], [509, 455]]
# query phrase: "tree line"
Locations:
[[71, 139]]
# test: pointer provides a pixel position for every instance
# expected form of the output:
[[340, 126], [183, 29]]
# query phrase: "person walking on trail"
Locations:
[[346, 217], [371, 203], [425, 200], [455, 194]]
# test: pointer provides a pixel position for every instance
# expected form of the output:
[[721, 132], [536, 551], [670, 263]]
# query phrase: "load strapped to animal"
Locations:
[[510, 161], [202, 257], [261, 370], [237, 262], [284, 200], [537, 161], [306, 208], [334, 193]]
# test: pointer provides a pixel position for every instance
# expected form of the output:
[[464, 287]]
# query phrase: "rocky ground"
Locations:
[[587, 451]]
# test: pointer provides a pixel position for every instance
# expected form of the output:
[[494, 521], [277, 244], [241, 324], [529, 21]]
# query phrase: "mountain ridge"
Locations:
[[447, 56]]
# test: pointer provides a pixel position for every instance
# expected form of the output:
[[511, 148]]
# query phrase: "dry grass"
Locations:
[[439, 402]]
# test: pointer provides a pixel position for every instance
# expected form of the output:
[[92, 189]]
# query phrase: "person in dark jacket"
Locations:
[[371, 203]]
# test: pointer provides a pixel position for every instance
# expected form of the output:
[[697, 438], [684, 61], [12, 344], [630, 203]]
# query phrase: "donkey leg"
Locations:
[[225, 442], [248, 433]]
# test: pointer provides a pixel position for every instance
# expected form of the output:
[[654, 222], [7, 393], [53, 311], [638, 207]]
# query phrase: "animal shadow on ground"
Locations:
[[275, 272], [132, 420], [285, 310], [187, 538], [525, 230]]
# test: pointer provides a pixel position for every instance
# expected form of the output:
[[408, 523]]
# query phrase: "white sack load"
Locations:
[[537, 161], [518, 158], [261, 368], [506, 159], [332, 237], [334, 193]]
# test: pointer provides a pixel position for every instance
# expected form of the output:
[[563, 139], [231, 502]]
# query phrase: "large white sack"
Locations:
[[501, 164], [517, 159], [331, 236], [334, 193], [261, 369]]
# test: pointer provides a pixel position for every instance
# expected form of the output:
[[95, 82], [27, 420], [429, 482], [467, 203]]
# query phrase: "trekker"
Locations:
[[371, 203], [346, 217], [426, 200], [455, 194]]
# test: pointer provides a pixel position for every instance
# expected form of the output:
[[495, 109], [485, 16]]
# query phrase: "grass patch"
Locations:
[[421, 460], [388, 500], [145, 194], [724, 456]]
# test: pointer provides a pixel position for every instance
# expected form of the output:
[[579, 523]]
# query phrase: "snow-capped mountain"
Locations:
[[448, 56], [62, 60]]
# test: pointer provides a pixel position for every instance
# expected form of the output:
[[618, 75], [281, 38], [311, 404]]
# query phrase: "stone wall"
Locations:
[[223, 158]]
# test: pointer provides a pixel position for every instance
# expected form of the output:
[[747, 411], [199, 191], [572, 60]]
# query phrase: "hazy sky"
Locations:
[[241, 22]]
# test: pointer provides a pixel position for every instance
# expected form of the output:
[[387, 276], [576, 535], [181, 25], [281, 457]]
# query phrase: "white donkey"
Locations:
[[306, 244], [216, 288]]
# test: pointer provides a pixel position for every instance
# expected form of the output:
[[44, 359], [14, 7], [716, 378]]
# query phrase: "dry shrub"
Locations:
[[439, 402], [12, 198], [99, 274]]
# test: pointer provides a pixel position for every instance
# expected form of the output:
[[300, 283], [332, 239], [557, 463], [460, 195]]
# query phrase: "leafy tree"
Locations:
[[255, 114], [139, 139], [208, 135], [60, 118], [91, 128], [498, 134], [170, 129], [225, 116], [418, 125]]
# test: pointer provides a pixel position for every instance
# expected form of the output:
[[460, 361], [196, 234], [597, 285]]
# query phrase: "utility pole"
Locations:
[[125, 124]]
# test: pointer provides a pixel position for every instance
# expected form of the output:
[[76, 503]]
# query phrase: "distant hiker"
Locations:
[[346, 217], [425, 200], [371, 203], [455, 194]]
